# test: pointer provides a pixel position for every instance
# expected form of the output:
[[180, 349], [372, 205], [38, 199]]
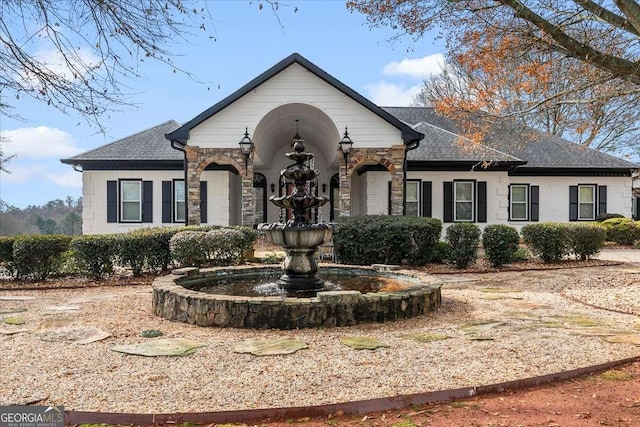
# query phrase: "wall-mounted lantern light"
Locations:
[[345, 147], [324, 188], [246, 147], [273, 187]]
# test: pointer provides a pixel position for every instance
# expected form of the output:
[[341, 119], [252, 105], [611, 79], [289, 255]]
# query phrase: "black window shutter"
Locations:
[[167, 201], [573, 203], [112, 201], [535, 202], [481, 189], [602, 199], [147, 201], [447, 214], [203, 202], [426, 199]]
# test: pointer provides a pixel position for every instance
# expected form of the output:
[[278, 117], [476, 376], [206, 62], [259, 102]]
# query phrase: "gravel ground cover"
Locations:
[[498, 327]]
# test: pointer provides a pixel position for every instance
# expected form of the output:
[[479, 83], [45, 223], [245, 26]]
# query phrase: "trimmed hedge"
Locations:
[[550, 241], [222, 246], [6, 253], [37, 257], [586, 240], [384, 239], [464, 238], [623, 231], [94, 254], [500, 243]]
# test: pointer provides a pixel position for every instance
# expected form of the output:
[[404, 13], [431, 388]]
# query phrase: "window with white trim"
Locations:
[[586, 202], [412, 198], [463, 201], [131, 201], [519, 202], [179, 201]]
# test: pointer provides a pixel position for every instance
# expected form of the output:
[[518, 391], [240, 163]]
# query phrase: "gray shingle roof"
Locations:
[[147, 145], [539, 149], [440, 145]]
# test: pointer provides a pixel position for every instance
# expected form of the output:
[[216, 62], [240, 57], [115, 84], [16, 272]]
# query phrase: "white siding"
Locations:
[[294, 85]]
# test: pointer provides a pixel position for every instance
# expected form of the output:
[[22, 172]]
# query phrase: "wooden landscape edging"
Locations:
[[346, 408]]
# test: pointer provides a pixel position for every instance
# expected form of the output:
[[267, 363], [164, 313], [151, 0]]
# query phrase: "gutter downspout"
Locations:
[[177, 145]]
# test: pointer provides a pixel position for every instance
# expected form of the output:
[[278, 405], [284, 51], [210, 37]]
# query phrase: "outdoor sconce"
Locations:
[[345, 146], [246, 147], [324, 188], [273, 187]]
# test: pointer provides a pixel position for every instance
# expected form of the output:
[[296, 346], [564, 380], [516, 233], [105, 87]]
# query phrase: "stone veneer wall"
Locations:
[[173, 301]]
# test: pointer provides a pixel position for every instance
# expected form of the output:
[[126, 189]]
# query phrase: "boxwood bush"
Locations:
[[623, 231], [549, 241], [464, 238], [384, 239], [6, 253], [218, 247], [500, 243], [94, 254], [38, 257], [586, 240]]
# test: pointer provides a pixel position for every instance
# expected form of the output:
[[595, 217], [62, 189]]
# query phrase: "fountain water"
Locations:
[[298, 236]]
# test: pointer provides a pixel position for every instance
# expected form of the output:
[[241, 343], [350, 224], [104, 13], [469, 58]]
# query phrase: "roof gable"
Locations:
[[409, 135]]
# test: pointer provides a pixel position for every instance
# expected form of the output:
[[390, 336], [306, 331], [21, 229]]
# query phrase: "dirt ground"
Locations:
[[611, 398]]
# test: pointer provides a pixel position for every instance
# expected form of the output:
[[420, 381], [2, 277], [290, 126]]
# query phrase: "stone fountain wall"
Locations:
[[174, 301]]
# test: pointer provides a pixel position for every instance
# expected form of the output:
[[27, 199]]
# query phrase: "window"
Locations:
[[260, 197], [586, 202], [519, 202], [463, 201], [131, 201], [412, 202], [179, 202]]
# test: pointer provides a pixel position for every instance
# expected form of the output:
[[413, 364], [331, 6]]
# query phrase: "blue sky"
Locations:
[[248, 41]]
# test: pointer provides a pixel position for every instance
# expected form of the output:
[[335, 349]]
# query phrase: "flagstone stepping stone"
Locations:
[[73, 334], [16, 298], [499, 296], [16, 320], [551, 325], [425, 337], [499, 290], [583, 321], [61, 309], [479, 338], [455, 279], [528, 305], [12, 312], [160, 347], [479, 326], [521, 315], [151, 333], [269, 347], [597, 332], [624, 339], [362, 342], [11, 331]]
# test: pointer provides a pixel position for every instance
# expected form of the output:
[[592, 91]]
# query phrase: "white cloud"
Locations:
[[419, 68], [69, 178], [38, 142], [21, 172], [392, 94], [79, 59]]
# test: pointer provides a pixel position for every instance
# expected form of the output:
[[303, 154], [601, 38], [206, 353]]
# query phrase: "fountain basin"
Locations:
[[297, 236], [175, 298]]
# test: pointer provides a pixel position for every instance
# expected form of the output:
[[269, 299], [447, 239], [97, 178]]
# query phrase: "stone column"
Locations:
[[248, 198], [193, 185], [345, 188], [397, 179]]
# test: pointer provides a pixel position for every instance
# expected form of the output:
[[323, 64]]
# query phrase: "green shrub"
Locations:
[[189, 249], [500, 243], [132, 251], [6, 253], [383, 239], [586, 240], [623, 231], [94, 254], [226, 246], [441, 252], [464, 238], [38, 257], [606, 216], [549, 241], [521, 254]]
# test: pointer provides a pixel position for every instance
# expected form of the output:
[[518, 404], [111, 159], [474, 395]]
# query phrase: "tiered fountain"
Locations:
[[299, 238], [301, 299]]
